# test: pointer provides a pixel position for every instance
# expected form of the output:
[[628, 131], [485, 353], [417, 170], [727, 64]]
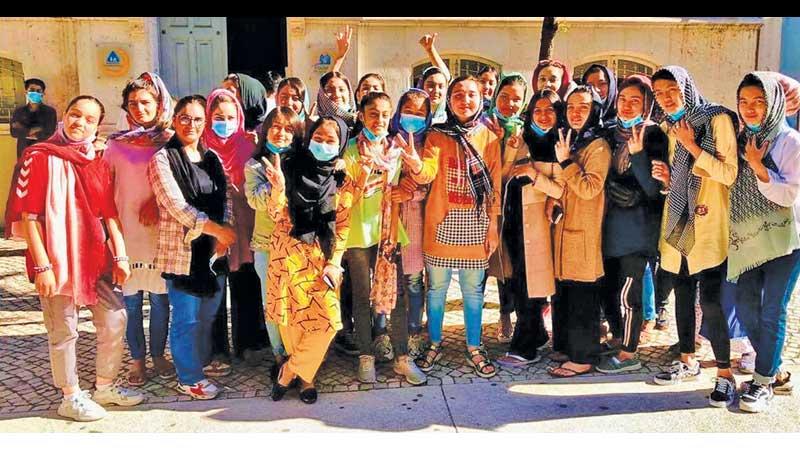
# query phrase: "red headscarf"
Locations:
[[566, 77], [233, 151]]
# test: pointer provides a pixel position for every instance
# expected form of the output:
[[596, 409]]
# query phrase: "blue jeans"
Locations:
[[762, 297], [415, 302], [648, 294], [159, 324], [472, 284], [261, 261], [190, 334]]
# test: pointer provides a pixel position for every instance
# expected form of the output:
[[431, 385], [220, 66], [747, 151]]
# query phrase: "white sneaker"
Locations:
[[366, 369], [119, 396], [748, 362], [81, 408], [405, 366], [202, 390]]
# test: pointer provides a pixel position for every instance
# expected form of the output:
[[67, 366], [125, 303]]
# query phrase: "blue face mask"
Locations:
[[277, 150], [538, 131], [34, 97], [678, 115], [500, 115], [223, 128], [753, 128], [630, 123], [372, 137], [323, 152], [412, 123]]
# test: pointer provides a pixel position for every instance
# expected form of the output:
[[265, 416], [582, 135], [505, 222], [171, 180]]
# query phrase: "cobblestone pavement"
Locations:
[[26, 383]]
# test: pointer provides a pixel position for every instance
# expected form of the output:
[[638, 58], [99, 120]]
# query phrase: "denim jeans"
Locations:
[[190, 334], [648, 294], [159, 324], [472, 285], [416, 303], [762, 297], [261, 261]]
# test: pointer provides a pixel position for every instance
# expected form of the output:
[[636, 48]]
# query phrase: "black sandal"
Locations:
[[429, 359], [279, 390], [483, 363]]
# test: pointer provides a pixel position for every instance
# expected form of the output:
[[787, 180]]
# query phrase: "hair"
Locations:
[[296, 84], [377, 76], [544, 94], [319, 123], [510, 81], [489, 69], [227, 97], [413, 95], [31, 81], [593, 69], [271, 81], [427, 73], [135, 85], [581, 89], [297, 125], [189, 99], [232, 77], [328, 76], [90, 98], [372, 97], [459, 80], [663, 74]]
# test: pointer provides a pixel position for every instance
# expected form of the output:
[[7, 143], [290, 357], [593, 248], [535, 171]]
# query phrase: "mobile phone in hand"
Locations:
[[558, 214]]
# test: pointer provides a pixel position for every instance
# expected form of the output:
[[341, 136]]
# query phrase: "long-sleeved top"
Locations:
[[179, 222], [578, 236], [23, 119], [257, 189], [297, 295], [783, 187], [452, 230], [711, 222], [629, 229]]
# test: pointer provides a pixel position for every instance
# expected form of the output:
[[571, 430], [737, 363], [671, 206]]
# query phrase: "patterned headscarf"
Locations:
[[328, 108], [685, 186], [158, 134]]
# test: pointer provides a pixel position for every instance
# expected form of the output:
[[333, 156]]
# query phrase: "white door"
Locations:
[[193, 54]]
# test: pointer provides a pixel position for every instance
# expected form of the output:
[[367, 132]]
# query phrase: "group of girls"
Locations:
[[342, 221]]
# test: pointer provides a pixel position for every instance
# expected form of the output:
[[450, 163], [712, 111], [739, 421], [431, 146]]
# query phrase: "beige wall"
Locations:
[[717, 54]]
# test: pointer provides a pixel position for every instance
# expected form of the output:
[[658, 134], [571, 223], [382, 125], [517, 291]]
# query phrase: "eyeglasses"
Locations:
[[196, 121]]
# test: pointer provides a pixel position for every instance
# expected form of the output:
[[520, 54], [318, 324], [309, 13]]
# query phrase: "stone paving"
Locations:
[[26, 383]]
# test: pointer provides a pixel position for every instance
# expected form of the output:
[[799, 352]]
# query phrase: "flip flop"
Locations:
[[558, 357], [512, 360], [572, 373], [136, 379]]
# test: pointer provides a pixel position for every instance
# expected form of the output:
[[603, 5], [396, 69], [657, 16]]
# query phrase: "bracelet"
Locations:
[[42, 269], [121, 258]]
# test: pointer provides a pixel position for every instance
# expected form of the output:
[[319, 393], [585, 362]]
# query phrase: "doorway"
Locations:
[[257, 45]]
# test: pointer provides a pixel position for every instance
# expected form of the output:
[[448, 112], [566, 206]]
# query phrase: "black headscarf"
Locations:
[[254, 100], [592, 129], [311, 187], [542, 148], [609, 110], [203, 187]]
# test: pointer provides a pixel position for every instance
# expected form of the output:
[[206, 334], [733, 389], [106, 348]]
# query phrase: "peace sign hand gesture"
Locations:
[[494, 126], [409, 153], [274, 174], [563, 145], [636, 142]]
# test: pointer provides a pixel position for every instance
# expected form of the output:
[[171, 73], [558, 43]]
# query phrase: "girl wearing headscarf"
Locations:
[[632, 218], [584, 156], [62, 205], [148, 106], [194, 229], [503, 116], [534, 185], [411, 121], [292, 93], [434, 81], [335, 98], [554, 75], [374, 241], [282, 134], [225, 135], [604, 80], [310, 203], [695, 224], [764, 249], [462, 161]]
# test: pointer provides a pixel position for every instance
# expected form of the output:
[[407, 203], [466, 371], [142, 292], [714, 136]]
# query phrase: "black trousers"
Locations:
[[576, 320], [663, 285], [708, 284], [247, 310], [622, 297]]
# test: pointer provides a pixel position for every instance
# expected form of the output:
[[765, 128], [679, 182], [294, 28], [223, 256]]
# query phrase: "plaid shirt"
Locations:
[[179, 222]]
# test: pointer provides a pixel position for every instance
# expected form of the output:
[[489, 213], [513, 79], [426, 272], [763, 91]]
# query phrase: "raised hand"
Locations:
[[636, 142], [660, 171], [563, 145], [343, 41], [495, 127], [427, 41], [274, 174], [683, 132], [409, 153]]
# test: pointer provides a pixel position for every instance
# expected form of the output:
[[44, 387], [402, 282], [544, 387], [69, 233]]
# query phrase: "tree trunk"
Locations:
[[549, 29]]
